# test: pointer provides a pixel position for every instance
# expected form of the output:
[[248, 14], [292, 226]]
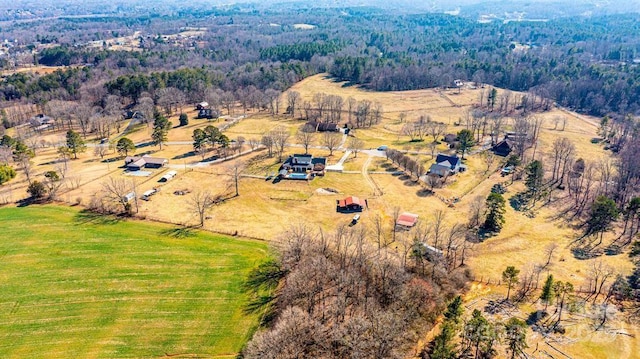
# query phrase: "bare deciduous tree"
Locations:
[[235, 169], [200, 202], [489, 160], [562, 150], [272, 97], [117, 190], [331, 140], [548, 253], [522, 129], [355, 145], [476, 211], [84, 112], [436, 129], [268, 142], [146, 108], [306, 136], [27, 166], [292, 101], [101, 150], [280, 136]]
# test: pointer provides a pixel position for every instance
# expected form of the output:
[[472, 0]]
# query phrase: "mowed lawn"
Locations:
[[77, 286]]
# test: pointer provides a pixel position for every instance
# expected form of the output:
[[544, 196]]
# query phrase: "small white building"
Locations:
[[168, 176], [128, 197]]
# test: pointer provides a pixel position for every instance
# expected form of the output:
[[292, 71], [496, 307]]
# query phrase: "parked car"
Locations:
[[382, 148], [356, 218], [507, 170], [147, 194]]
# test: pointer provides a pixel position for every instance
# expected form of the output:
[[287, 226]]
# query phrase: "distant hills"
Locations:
[[500, 10]]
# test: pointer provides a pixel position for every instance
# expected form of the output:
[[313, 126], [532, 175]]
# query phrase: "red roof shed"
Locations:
[[407, 219]]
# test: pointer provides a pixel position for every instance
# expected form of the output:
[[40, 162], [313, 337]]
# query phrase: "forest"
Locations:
[[588, 64]]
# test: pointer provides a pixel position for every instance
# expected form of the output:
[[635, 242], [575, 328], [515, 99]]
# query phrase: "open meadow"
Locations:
[[77, 285]]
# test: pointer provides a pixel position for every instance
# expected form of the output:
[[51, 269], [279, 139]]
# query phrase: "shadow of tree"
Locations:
[[178, 232], [410, 183], [261, 284], [86, 216], [535, 317], [184, 155], [424, 192]]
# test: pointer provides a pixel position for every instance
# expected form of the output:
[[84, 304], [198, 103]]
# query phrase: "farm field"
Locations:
[[77, 285], [34, 69]]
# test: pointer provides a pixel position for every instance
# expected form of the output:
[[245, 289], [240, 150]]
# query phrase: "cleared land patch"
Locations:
[[77, 285]]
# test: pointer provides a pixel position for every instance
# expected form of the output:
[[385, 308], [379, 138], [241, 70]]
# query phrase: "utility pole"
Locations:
[[236, 178]]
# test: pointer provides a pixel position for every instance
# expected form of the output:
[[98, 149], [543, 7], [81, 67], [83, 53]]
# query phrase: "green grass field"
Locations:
[[74, 285]]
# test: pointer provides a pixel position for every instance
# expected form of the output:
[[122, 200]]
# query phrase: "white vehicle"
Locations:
[[128, 197], [148, 194], [168, 176], [356, 218]]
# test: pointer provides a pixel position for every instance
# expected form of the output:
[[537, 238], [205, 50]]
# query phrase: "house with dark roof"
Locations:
[[136, 163], [131, 114], [450, 138], [503, 148], [301, 163], [446, 165], [207, 113], [323, 126], [298, 163], [41, 122], [202, 105], [295, 166], [351, 204]]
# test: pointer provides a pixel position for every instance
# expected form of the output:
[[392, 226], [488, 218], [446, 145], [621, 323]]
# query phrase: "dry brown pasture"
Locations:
[[33, 69]]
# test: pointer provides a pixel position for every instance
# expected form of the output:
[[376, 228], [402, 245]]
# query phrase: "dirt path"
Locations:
[[367, 177], [586, 120], [444, 96]]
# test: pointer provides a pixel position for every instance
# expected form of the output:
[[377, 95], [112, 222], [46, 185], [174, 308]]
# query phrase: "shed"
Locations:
[[168, 176], [407, 220], [431, 253]]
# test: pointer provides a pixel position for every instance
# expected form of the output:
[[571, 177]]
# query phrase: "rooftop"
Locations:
[[351, 200], [407, 219]]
